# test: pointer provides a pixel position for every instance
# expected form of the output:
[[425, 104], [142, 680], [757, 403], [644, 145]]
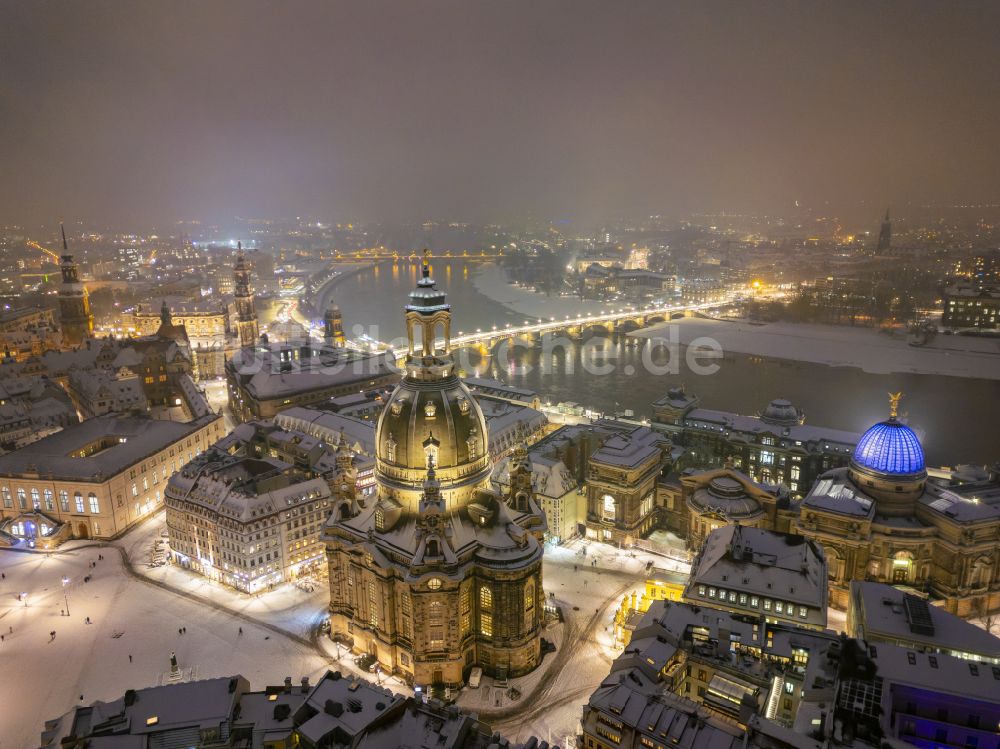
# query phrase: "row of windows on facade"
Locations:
[[436, 611], [780, 607], [309, 523]]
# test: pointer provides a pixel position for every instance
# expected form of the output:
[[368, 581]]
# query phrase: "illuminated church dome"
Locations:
[[439, 573], [888, 464], [431, 418]]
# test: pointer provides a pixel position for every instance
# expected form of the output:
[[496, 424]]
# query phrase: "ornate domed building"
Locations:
[[881, 519], [437, 573]]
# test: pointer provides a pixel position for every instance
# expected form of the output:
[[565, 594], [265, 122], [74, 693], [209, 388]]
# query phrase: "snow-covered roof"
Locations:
[[884, 612], [753, 425], [128, 440], [782, 566]]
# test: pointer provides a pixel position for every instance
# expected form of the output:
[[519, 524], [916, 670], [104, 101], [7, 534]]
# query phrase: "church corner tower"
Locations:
[[75, 317], [437, 573], [246, 316], [333, 326]]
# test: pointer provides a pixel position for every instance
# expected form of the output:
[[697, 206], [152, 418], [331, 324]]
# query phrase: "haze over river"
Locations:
[[958, 419]]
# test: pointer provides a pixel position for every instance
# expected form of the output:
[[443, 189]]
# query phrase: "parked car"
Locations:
[[475, 676]]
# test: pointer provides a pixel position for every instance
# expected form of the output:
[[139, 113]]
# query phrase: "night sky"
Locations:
[[500, 110]]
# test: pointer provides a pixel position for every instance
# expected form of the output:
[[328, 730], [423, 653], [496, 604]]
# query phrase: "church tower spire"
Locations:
[[428, 312], [75, 316], [884, 235], [246, 316]]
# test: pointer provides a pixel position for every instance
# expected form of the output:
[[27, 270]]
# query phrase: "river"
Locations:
[[958, 419]]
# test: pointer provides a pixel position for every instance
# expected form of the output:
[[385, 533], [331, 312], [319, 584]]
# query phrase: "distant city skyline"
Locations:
[[148, 112]]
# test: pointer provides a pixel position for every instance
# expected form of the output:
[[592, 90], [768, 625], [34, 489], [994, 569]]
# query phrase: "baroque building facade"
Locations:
[[437, 573], [882, 519], [775, 446]]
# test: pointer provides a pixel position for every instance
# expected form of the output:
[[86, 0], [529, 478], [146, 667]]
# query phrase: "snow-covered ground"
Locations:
[[844, 346], [45, 676], [490, 280], [287, 607]]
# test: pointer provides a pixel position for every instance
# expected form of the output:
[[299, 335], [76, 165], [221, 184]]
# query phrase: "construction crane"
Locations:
[[33, 244]]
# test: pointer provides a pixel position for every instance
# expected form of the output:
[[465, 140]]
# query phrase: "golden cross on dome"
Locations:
[[894, 399]]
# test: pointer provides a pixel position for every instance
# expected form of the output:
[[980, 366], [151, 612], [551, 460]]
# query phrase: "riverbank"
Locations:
[[490, 280], [842, 346]]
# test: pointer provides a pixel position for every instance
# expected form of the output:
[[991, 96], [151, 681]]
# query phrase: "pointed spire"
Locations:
[[426, 263], [63, 230]]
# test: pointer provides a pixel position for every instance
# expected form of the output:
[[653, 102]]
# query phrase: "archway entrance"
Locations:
[[83, 532], [902, 567]]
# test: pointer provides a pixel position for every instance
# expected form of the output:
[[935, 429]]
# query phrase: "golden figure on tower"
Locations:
[[894, 399]]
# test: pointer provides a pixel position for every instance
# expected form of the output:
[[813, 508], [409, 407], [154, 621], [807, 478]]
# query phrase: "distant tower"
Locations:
[[166, 319], [884, 235], [246, 316], [333, 326], [74, 303]]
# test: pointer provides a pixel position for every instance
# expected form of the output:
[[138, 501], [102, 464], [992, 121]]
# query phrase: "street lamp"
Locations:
[[65, 582], [24, 597]]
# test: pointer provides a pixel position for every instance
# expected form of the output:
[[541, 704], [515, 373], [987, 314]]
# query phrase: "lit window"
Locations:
[[608, 507], [486, 624], [485, 598]]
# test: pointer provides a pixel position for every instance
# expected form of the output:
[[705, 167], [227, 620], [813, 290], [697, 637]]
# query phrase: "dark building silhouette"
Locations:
[[884, 235]]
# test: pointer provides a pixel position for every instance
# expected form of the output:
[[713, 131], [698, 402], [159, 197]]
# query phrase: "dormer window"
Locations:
[[390, 449], [430, 409]]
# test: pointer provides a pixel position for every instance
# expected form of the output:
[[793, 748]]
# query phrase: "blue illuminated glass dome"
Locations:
[[890, 447]]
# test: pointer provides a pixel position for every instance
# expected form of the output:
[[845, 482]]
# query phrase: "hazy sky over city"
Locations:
[[139, 111]]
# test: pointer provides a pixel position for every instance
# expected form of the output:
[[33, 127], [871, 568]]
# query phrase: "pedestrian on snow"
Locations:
[[241, 630], [1, 638], [179, 631], [129, 657], [53, 633]]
